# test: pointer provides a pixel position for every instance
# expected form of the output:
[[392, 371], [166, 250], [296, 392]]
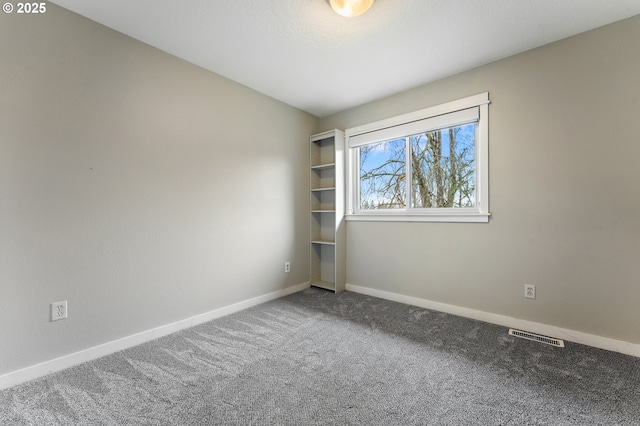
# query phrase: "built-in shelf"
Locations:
[[323, 166], [326, 206], [324, 284], [331, 243]]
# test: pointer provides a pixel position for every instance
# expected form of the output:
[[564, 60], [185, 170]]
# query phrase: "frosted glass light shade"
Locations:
[[350, 8]]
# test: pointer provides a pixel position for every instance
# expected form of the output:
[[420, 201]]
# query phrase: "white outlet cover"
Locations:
[[530, 291], [58, 310]]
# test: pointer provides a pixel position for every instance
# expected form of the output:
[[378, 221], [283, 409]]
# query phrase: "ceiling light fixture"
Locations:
[[350, 8]]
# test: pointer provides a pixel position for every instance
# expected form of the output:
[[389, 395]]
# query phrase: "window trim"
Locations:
[[479, 213]]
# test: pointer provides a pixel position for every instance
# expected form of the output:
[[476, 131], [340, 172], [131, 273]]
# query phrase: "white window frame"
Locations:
[[405, 125]]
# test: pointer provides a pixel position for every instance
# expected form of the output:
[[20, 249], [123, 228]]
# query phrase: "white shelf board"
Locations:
[[323, 166], [324, 284], [324, 135], [323, 189], [329, 243]]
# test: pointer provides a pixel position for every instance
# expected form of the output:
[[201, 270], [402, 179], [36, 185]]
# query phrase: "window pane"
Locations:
[[382, 175], [443, 170]]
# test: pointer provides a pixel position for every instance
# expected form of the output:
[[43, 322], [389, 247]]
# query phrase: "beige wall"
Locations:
[[145, 190], [141, 189], [564, 192]]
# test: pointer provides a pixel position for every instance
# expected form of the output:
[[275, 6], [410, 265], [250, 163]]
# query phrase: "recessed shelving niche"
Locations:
[[326, 209]]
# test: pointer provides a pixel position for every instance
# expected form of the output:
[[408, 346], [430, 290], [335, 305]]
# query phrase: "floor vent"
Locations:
[[537, 338]]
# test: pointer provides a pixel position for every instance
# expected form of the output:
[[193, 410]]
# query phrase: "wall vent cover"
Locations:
[[537, 338]]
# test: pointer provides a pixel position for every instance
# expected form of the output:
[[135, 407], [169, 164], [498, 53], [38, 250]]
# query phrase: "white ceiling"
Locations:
[[304, 54]]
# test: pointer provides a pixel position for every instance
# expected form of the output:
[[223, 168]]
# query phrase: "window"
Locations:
[[430, 165]]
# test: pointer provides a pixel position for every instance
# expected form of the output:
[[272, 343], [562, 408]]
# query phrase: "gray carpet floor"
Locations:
[[316, 358]]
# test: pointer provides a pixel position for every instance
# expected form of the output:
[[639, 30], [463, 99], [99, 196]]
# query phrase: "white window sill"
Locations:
[[419, 217]]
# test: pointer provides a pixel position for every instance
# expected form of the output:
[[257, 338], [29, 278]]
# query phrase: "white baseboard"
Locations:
[[606, 343], [51, 366]]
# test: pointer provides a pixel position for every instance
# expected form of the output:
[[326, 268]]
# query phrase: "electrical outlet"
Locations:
[[58, 310], [530, 291], [287, 266]]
